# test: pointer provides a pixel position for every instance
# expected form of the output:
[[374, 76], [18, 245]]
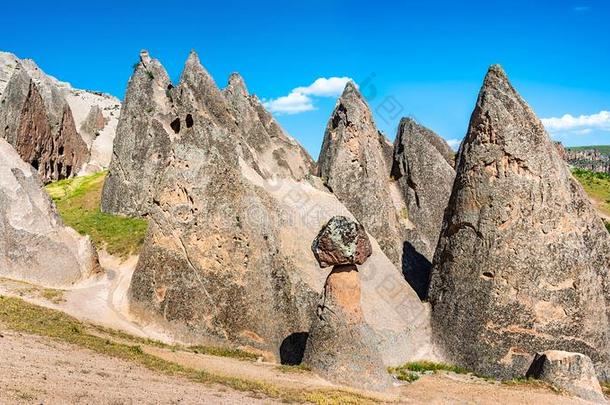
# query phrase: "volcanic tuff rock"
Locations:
[[355, 163], [423, 167], [522, 262], [143, 141], [34, 244], [341, 346], [63, 109], [571, 372], [277, 153], [226, 257], [341, 241]]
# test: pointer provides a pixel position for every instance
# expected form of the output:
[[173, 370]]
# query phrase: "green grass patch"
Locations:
[[413, 370], [21, 316], [78, 202], [597, 186]]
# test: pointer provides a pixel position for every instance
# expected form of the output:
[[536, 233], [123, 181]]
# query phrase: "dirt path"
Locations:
[[38, 370]]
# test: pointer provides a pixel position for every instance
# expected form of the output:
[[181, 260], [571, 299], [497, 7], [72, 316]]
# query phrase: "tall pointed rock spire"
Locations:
[[355, 163], [523, 259]]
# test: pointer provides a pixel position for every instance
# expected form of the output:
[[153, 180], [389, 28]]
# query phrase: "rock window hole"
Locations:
[[189, 120], [175, 125]]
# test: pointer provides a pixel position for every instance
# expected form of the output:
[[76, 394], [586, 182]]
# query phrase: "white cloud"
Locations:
[[581, 125], [293, 103], [454, 143], [325, 87], [301, 99]]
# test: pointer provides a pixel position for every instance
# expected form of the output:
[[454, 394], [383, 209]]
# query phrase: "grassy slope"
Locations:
[[605, 149], [21, 316], [597, 186], [78, 202]]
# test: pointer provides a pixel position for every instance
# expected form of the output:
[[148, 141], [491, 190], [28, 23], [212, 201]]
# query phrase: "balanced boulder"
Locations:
[[34, 244], [572, 372], [341, 241], [523, 259], [341, 346]]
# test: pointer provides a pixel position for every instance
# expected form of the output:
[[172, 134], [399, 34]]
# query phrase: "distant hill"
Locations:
[[604, 149]]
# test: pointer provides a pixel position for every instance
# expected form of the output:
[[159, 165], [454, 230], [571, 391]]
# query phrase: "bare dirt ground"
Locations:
[[39, 370]]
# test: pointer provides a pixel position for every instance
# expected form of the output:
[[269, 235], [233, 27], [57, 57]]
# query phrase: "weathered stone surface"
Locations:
[[423, 167], [94, 122], [34, 244], [522, 262], [355, 163], [341, 346], [571, 372], [54, 157], [143, 141], [227, 257], [276, 152], [59, 104], [341, 241]]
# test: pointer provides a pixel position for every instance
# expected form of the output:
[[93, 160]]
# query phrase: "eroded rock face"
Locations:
[[276, 152], [522, 262], [94, 122], [341, 241], [341, 346], [34, 244], [214, 209], [423, 167], [36, 117], [571, 372], [355, 163], [143, 141]]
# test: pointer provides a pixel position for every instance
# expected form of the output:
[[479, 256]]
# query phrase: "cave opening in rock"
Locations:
[[175, 125], [189, 120], [60, 151]]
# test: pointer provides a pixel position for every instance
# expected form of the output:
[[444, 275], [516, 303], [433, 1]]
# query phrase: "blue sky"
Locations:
[[420, 59]]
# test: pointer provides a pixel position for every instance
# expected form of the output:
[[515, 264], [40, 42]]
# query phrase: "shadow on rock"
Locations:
[[416, 270]]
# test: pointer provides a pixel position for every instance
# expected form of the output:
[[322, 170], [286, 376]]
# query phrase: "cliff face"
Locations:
[[64, 150], [227, 257], [34, 244], [523, 259]]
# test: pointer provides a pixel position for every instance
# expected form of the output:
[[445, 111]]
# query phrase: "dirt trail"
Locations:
[[38, 370]]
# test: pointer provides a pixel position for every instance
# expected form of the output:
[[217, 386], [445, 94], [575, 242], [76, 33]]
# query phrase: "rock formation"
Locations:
[[277, 153], [341, 346], [341, 241], [64, 110], [423, 167], [571, 372], [142, 143], [522, 262], [216, 207], [355, 163], [34, 244]]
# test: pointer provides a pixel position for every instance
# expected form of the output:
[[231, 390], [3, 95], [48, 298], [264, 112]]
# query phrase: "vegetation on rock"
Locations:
[[78, 202]]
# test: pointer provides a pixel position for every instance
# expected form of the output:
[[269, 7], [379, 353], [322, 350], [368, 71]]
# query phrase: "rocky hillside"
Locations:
[[592, 158], [227, 255], [59, 130]]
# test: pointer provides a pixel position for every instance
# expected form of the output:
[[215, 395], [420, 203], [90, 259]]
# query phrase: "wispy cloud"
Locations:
[[581, 9], [301, 99], [580, 125], [454, 143]]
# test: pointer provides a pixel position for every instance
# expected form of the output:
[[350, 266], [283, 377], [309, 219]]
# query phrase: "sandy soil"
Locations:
[[37, 370]]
